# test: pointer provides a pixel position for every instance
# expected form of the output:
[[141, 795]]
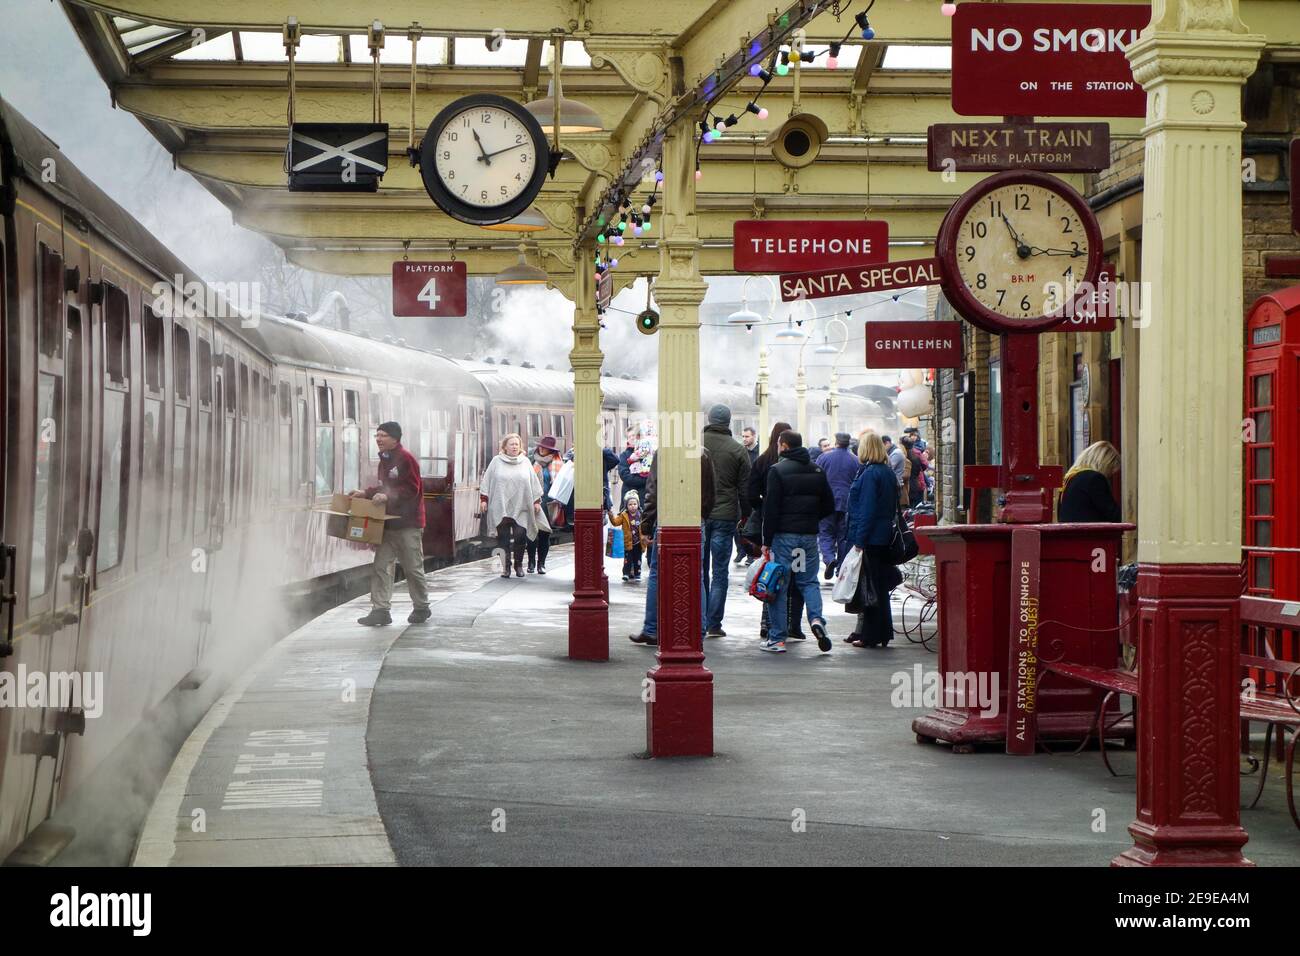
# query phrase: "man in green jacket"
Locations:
[[730, 476]]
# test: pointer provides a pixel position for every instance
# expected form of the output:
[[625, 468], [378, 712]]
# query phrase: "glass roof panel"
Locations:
[[899, 57], [473, 51], [319, 49], [397, 49], [262, 47], [222, 48]]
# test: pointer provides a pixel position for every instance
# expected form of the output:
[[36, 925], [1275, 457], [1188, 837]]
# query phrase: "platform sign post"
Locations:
[[1022, 665]]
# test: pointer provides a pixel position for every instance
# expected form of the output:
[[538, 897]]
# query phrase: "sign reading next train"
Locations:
[[923, 344]]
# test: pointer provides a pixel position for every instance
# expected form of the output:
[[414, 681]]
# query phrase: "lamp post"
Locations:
[[832, 400], [760, 397]]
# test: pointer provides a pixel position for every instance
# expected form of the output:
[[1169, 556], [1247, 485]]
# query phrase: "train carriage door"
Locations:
[[1272, 445], [74, 521]]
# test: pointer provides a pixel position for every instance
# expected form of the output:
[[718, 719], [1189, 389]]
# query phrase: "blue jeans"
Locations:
[[715, 550], [783, 549], [650, 626]]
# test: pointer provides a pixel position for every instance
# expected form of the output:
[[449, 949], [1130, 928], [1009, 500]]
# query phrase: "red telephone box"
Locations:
[[1272, 468]]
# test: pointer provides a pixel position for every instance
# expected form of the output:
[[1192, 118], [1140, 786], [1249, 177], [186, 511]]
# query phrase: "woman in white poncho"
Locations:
[[511, 494]]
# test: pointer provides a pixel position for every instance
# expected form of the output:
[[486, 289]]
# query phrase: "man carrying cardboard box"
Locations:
[[401, 492]]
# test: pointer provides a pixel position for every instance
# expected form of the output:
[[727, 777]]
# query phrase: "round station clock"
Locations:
[[1016, 250], [483, 159]]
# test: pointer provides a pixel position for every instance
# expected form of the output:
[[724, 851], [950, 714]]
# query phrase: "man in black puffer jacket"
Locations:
[[798, 497]]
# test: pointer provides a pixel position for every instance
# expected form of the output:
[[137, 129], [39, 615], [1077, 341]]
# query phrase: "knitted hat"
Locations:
[[719, 415], [393, 429]]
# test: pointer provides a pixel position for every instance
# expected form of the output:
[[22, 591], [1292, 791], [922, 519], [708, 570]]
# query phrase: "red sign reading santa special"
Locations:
[[872, 278], [802, 245], [923, 344], [1046, 59]]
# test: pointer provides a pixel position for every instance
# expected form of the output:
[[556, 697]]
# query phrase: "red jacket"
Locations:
[[399, 479]]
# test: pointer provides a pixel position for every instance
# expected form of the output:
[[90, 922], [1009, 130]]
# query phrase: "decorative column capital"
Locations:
[[1192, 78]]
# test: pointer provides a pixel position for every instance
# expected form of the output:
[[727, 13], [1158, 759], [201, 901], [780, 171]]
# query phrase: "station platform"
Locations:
[[473, 740]]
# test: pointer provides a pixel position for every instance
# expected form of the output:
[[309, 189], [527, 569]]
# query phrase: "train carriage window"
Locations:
[[73, 434], [304, 443], [351, 405], [153, 489], [153, 350], [351, 457], [557, 428], [324, 440], [114, 464], [397, 409], [51, 302], [45, 490], [284, 449], [534, 428], [180, 508], [203, 438], [376, 409]]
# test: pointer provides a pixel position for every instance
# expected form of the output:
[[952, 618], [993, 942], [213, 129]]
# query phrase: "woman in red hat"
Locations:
[[547, 464]]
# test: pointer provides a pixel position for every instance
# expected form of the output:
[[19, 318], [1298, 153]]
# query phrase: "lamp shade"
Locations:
[[575, 116], [521, 273], [744, 316], [530, 220]]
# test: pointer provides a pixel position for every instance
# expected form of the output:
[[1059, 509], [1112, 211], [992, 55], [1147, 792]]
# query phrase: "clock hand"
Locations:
[[484, 157], [1022, 250], [1035, 251]]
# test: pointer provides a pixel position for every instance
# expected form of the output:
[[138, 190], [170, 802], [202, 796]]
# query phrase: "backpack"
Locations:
[[765, 579]]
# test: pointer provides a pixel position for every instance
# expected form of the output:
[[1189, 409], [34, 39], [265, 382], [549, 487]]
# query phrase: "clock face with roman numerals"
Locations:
[[483, 159], [1016, 249]]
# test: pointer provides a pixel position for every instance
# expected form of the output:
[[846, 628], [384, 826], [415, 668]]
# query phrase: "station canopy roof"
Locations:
[[210, 81]]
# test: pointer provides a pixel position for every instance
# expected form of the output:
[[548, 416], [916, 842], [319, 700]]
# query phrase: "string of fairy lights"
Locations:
[[798, 323], [628, 217]]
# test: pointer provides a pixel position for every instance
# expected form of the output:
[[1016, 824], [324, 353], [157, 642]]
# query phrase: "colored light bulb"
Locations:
[[659, 175], [755, 69], [762, 112], [636, 230], [782, 69], [948, 9], [868, 34], [708, 136], [613, 263], [698, 175], [646, 209], [600, 237], [832, 62]]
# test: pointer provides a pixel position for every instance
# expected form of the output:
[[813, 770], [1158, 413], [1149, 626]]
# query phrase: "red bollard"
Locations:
[[679, 711], [1188, 796], [589, 610]]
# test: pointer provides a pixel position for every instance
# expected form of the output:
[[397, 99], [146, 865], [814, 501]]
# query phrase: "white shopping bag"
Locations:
[[562, 484], [846, 581]]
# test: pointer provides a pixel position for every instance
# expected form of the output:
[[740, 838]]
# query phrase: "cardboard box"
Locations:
[[359, 520]]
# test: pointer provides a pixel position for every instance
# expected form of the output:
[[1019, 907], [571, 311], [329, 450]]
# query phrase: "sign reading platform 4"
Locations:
[[429, 289]]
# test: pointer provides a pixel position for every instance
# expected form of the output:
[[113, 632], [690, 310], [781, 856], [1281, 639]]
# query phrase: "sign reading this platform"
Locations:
[[804, 245], [868, 278], [991, 147], [429, 289], [923, 344], [1046, 59]]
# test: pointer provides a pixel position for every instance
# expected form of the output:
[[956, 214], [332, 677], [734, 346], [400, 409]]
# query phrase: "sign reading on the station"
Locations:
[[1046, 59], [858, 279], [923, 344], [991, 147], [430, 289], [804, 245], [337, 157], [1022, 665]]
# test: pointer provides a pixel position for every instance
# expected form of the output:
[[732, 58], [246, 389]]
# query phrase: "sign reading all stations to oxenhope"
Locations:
[[430, 289], [1046, 59], [858, 279], [991, 147], [913, 345], [805, 245]]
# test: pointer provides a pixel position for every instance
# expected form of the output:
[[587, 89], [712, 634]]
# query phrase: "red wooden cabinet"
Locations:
[[1272, 445]]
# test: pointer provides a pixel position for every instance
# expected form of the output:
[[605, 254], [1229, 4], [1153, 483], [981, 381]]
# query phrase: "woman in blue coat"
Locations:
[[873, 504]]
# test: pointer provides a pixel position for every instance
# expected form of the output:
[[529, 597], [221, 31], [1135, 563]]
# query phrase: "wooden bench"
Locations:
[[1270, 686]]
